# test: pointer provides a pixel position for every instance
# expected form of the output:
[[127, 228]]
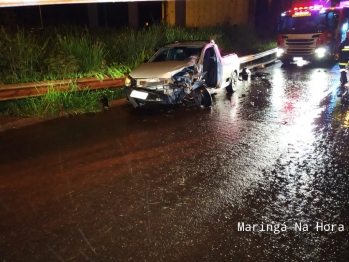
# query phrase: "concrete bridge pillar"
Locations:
[[133, 19]]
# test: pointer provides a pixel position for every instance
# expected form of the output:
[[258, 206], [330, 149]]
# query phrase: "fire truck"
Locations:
[[312, 31]]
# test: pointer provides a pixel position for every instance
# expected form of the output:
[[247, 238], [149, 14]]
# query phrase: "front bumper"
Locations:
[[311, 55], [143, 96], [295, 58]]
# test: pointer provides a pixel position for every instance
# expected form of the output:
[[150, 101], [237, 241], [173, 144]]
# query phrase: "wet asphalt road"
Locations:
[[262, 175]]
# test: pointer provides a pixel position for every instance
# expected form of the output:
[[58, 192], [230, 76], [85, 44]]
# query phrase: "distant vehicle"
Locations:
[[312, 32], [182, 73]]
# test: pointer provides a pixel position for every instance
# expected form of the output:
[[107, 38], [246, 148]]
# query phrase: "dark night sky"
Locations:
[[110, 14]]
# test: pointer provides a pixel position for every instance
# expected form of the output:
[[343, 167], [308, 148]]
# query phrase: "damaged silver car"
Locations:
[[182, 73]]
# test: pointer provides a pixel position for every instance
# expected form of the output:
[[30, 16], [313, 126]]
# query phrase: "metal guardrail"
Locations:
[[250, 58], [250, 61], [23, 90]]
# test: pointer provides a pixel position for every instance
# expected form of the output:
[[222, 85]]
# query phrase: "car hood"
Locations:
[[158, 69]]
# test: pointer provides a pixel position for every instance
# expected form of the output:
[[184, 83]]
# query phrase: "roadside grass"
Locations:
[[54, 103], [74, 52]]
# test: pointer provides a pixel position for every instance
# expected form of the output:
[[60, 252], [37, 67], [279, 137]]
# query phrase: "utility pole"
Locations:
[[180, 12], [252, 14], [92, 16], [133, 19]]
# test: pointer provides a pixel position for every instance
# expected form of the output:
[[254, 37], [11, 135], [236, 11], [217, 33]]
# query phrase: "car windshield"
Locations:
[[178, 53], [305, 24]]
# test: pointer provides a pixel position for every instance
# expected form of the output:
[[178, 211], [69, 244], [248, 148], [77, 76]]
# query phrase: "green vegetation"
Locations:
[[61, 53], [72, 52], [56, 103]]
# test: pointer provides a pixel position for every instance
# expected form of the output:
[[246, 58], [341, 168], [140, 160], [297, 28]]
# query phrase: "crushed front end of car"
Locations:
[[146, 91], [180, 85]]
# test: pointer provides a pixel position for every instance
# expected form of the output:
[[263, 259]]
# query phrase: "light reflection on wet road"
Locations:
[[172, 184]]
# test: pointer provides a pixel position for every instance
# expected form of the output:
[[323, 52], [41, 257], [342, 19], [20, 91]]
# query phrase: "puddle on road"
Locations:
[[278, 164], [174, 185]]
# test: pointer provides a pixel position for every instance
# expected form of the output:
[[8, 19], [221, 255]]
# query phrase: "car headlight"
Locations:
[[128, 81], [279, 52], [165, 81], [320, 52]]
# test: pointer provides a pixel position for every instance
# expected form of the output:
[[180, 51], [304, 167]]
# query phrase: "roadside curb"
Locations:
[[9, 123]]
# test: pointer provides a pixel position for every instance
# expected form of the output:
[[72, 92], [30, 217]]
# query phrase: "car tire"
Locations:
[[206, 99], [233, 81]]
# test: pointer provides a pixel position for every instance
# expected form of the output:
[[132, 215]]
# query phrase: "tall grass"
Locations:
[[131, 47], [60, 53], [72, 102], [20, 56], [89, 54]]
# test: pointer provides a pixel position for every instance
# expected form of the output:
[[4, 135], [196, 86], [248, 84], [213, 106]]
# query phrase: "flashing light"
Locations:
[[317, 7], [344, 4], [310, 7]]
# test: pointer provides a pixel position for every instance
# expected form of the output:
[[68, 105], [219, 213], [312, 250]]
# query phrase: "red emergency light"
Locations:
[[311, 7]]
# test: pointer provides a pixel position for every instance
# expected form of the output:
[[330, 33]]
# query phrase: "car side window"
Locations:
[[161, 56]]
